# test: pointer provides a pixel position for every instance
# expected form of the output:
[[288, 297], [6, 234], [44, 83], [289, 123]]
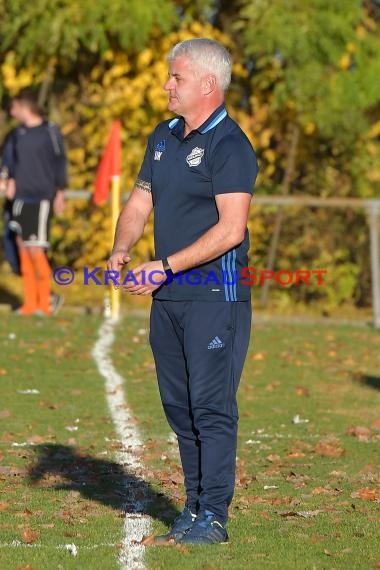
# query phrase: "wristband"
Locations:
[[166, 266]]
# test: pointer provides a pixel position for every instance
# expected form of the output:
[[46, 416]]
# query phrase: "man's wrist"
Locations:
[[119, 249], [166, 266]]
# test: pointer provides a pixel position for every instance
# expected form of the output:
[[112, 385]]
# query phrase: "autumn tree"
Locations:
[[314, 95]]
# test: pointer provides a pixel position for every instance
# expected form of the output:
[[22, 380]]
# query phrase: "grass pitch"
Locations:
[[307, 475]]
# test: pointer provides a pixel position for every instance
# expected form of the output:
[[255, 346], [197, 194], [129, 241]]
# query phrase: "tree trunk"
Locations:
[[45, 85], [285, 187]]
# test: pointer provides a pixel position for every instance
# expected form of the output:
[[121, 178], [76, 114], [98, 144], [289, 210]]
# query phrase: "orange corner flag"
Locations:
[[110, 165]]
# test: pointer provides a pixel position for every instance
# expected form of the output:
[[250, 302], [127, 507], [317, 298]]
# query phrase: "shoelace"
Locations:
[[205, 521], [208, 520]]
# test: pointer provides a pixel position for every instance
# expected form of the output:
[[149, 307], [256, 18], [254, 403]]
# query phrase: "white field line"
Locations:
[[68, 547], [136, 524]]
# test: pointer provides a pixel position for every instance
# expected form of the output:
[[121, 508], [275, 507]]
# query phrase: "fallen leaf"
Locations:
[[362, 433], [302, 391], [281, 500], [36, 439], [321, 491], [186, 550], [30, 536], [376, 424], [367, 494], [12, 470], [288, 514], [149, 540], [49, 405], [258, 356], [272, 386], [337, 473], [296, 453], [303, 514], [329, 448], [4, 506], [273, 457], [4, 414]]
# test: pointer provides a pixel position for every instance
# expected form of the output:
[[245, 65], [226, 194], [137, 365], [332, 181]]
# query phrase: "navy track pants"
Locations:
[[199, 348]]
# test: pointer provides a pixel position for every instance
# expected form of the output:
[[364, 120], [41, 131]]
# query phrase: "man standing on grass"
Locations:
[[37, 170], [198, 174]]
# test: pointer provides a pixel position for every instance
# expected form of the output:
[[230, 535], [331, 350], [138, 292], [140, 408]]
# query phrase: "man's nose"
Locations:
[[169, 84]]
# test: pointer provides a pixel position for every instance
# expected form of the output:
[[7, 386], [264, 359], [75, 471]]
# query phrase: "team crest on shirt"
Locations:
[[160, 148], [195, 157]]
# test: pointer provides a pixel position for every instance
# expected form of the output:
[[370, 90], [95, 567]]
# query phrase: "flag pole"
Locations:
[[115, 211]]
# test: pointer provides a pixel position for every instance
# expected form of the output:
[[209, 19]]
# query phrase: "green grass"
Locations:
[[328, 375], [322, 374], [72, 499]]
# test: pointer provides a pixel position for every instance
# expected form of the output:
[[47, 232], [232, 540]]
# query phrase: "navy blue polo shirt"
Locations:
[[184, 175]]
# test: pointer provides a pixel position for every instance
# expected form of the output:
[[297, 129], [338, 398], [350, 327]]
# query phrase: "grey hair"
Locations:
[[208, 55]]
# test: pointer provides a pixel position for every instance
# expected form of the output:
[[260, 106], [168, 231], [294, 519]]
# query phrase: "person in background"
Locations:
[[9, 236], [36, 162]]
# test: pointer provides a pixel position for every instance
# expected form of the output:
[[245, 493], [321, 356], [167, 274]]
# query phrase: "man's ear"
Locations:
[[208, 84]]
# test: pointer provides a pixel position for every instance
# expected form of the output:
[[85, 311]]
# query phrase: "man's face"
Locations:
[[183, 86], [18, 111]]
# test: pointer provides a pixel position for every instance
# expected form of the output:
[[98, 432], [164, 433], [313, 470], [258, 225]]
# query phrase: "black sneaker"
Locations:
[[205, 530], [181, 525]]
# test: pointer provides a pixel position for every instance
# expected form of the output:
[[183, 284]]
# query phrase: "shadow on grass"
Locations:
[[371, 381], [99, 480]]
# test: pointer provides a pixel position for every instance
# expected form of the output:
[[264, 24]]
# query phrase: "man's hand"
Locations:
[[147, 278], [59, 203], [116, 262]]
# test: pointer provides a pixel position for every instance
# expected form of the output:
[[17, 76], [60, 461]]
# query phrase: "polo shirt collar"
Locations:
[[176, 125]]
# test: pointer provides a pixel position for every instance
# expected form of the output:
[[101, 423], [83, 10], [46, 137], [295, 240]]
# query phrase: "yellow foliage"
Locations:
[[270, 155], [76, 155], [108, 55], [309, 128], [239, 71], [12, 80], [351, 47], [360, 31], [144, 58], [270, 170], [375, 130], [345, 61], [265, 138], [373, 175], [132, 91]]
